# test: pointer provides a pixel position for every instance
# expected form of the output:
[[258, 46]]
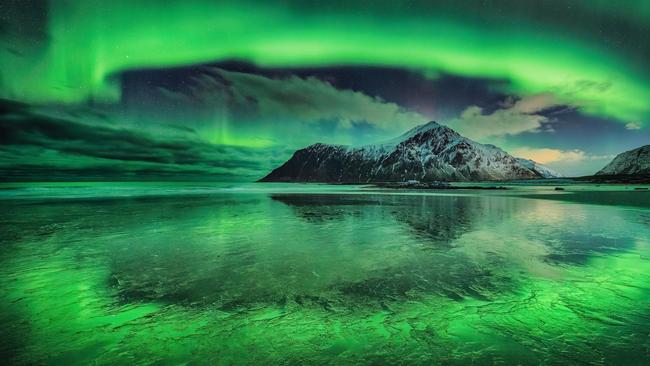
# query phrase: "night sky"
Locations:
[[227, 90]]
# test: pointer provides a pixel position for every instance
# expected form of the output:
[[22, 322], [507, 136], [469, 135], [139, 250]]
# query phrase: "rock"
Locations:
[[427, 153]]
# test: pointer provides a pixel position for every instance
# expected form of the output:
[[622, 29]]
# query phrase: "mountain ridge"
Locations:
[[542, 170], [429, 152], [631, 162]]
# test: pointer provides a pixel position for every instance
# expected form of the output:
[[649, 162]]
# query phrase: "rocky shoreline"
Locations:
[[432, 185]]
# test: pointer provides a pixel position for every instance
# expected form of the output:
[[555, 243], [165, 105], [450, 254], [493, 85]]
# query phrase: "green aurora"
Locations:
[[227, 90], [131, 232], [85, 44]]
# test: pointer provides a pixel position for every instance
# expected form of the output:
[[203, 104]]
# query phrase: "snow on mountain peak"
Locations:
[[635, 161], [429, 152], [542, 170]]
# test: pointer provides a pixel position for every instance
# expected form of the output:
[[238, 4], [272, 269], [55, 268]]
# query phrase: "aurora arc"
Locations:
[[90, 43]]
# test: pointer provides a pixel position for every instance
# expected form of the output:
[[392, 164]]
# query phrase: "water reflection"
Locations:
[[437, 220], [447, 278]]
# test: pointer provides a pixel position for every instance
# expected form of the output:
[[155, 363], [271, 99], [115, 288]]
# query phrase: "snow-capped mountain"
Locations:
[[541, 170], [631, 162], [430, 152]]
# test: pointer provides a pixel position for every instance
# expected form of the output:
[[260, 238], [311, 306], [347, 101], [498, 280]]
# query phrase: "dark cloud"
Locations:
[[435, 96], [513, 118], [36, 146], [272, 106], [576, 130]]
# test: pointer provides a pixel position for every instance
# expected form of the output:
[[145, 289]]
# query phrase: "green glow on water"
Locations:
[[275, 278]]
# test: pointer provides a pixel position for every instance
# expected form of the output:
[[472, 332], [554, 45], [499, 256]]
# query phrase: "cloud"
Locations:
[[545, 156], [633, 126], [308, 100], [571, 163], [37, 146], [514, 117]]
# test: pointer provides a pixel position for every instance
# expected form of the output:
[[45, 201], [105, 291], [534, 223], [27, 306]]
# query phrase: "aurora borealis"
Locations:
[[564, 82], [135, 228]]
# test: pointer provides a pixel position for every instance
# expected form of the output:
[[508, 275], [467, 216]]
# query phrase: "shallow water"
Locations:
[[309, 274]]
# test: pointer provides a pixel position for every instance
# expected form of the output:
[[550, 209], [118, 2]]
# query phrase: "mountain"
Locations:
[[430, 152], [541, 170], [631, 162]]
